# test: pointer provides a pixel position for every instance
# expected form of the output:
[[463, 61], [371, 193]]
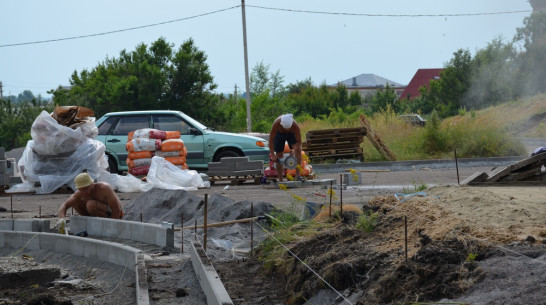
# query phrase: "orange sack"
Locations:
[[165, 154], [140, 144], [176, 160], [172, 145], [172, 135], [147, 133], [140, 154], [139, 162]]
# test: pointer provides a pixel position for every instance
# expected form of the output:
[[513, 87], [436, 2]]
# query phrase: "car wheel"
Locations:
[[226, 153], [112, 166]]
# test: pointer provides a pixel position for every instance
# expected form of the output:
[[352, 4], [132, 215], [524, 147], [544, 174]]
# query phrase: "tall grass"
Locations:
[[491, 132]]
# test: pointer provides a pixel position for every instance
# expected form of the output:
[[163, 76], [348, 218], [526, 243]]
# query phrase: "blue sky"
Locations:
[[334, 45]]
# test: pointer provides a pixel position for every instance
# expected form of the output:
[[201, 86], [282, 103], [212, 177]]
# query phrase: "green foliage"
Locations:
[[154, 77], [418, 186], [367, 222], [434, 140], [384, 98], [16, 120]]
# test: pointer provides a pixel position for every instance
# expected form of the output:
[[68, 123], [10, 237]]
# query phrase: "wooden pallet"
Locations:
[[334, 143], [334, 151], [330, 133], [340, 140]]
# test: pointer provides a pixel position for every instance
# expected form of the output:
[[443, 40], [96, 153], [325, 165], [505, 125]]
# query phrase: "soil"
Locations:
[[474, 245]]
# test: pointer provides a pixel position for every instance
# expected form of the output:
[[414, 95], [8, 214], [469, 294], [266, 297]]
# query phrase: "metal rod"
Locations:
[[406, 235], [140, 217], [40, 212], [456, 165], [331, 191], [341, 195], [182, 234], [11, 206], [195, 231], [205, 222], [252, 229], [219, 224]]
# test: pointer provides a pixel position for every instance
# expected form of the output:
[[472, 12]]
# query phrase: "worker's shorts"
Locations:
[[281, 138]]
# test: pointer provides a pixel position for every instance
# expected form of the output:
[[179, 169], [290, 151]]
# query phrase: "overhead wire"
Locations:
[[258, 7]]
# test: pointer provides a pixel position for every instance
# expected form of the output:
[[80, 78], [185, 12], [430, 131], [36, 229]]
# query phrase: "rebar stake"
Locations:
[[182, 233], [406, 235], [205, 222], [331, 191], [252, 229]]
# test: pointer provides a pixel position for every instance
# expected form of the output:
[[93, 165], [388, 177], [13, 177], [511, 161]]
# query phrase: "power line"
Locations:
[[264, 8], [386, 15], [118, 31]]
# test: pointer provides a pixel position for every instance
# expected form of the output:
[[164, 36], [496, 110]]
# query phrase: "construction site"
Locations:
[[461, 231]]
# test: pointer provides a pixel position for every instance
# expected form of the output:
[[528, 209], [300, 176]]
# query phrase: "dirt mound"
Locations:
[[453, 235], [158, 205]]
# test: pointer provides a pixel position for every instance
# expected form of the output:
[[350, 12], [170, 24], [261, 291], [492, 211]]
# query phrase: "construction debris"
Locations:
[[530, 169]]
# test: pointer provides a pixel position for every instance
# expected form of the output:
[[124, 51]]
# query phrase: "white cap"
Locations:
[[287, 120]]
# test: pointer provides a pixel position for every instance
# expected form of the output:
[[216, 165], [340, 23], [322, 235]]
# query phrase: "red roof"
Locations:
[[421, 78]]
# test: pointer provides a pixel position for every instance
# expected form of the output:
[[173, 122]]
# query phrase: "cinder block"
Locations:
[[258, 164], [3, 166], [30, 225], [13, 240], [352, 179], [94, 226], [78, 224], [235, 160], [4, 179], [2, 153], [6, 224]]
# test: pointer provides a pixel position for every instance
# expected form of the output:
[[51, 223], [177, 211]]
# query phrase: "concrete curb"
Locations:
[[211, 284], [417, 164], [26, 225], [114, 253], [161, 235]]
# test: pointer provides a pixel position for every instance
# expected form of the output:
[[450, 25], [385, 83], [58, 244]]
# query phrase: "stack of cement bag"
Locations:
[[143, 144], [62, 146]]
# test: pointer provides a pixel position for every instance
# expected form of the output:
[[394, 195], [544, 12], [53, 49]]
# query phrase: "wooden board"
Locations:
[[376, 140]]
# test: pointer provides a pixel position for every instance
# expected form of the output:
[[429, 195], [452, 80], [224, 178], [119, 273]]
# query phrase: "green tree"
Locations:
[[382, 98], [16, 121], [150, 77]]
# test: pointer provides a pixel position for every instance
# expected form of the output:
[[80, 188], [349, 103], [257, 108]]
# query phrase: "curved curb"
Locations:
[[114, 253]]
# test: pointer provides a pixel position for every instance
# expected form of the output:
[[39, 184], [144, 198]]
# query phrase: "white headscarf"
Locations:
[[287, 120]]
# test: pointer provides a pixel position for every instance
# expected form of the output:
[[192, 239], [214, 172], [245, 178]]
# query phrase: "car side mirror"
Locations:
[[195, 132]]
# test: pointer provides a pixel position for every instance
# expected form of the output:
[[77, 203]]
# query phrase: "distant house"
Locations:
[[368, 84], [421, 78]]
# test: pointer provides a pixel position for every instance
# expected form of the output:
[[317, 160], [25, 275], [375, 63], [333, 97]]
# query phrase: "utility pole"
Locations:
[[1, 90], [235, 95], [248, 121]]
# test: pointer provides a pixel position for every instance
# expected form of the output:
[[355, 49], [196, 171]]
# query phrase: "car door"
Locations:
[[194, 143], [116, 140]]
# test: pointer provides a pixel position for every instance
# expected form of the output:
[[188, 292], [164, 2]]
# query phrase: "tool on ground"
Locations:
[[289, 162]]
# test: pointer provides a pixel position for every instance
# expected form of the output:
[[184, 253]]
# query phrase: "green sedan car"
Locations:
[[203, 144]]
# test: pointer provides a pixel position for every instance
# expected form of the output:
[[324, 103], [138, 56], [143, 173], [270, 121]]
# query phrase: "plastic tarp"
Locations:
[[165, 175], [57, 154]]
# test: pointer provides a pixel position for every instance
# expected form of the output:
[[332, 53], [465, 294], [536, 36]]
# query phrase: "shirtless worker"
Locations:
[[284, 129], [92, 199]]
